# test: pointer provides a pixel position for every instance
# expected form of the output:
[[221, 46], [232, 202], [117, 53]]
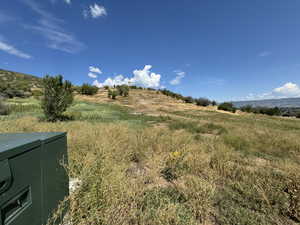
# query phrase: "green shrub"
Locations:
[[202, 102], [58, 96], [271, 111], [213, 103], [112, 94], [123, 90], [275, 111], [227, 106], [4, 109], [87, 89], [298, 115], [189, 99], [247, 108]]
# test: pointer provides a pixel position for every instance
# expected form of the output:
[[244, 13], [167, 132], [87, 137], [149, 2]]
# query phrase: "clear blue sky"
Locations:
[[224, 50]]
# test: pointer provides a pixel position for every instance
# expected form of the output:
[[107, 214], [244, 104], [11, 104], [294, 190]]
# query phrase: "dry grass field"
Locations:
[[149, 160]]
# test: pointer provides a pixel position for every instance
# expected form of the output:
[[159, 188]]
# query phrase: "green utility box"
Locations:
[[32, 178]]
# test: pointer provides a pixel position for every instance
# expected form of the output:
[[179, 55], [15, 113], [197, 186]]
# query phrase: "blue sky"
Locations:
[[223, 50]]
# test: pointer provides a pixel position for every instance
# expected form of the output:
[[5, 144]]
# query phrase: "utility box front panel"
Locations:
[[32, 178], [20, 204]]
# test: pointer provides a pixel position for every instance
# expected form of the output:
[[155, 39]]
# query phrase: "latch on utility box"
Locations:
[[5, 176]]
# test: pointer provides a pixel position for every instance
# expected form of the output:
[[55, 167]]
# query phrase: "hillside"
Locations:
[[17, 84], [281, 103], [145, 101], [151, 159]]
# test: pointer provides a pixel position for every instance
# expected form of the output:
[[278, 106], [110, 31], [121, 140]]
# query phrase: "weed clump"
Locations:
[[174, 166]]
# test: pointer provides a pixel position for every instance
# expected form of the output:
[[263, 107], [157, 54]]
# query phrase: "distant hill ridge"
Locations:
[[16, 79], [18, 84], [281, 103]]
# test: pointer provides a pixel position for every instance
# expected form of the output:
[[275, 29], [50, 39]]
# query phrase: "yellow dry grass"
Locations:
[[198, 167]]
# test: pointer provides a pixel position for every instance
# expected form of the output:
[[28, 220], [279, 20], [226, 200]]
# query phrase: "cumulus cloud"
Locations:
[[68, 1], [94, 69], [92, 75], [93, 72], [288, 90], [179, 76], [95, 11], [144, 78], [13, 51]]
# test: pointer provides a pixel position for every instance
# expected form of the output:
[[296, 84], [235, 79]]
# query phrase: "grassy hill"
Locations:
[[150, 159], [17, 84]]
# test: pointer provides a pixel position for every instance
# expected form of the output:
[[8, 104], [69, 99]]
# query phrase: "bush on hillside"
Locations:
[[298, 115], [267, 111], [87, 89], [135, 87], [247, 108], [58, 96], [189, 99], [275, 111], [123, 90], [272, 111], [213, 103], [4, 109], [202, 102], [227, 106], [112, 94]]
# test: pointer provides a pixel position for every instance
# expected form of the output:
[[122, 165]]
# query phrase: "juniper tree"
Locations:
[[58, 96]]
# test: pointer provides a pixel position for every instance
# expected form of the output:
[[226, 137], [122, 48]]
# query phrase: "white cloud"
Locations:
[[92, 75], [94, 69], [52, 29], [265, 53], [179, 76], [94, 11], [97, 10], [68, 1], [288, 90], [144, 78], [13, 51]]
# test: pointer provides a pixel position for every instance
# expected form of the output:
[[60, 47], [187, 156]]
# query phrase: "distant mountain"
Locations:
[[281, 103], [18, 84]]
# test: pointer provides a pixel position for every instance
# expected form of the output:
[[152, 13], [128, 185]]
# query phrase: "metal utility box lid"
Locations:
[[17, 143], [10, 145], [31, 136]]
